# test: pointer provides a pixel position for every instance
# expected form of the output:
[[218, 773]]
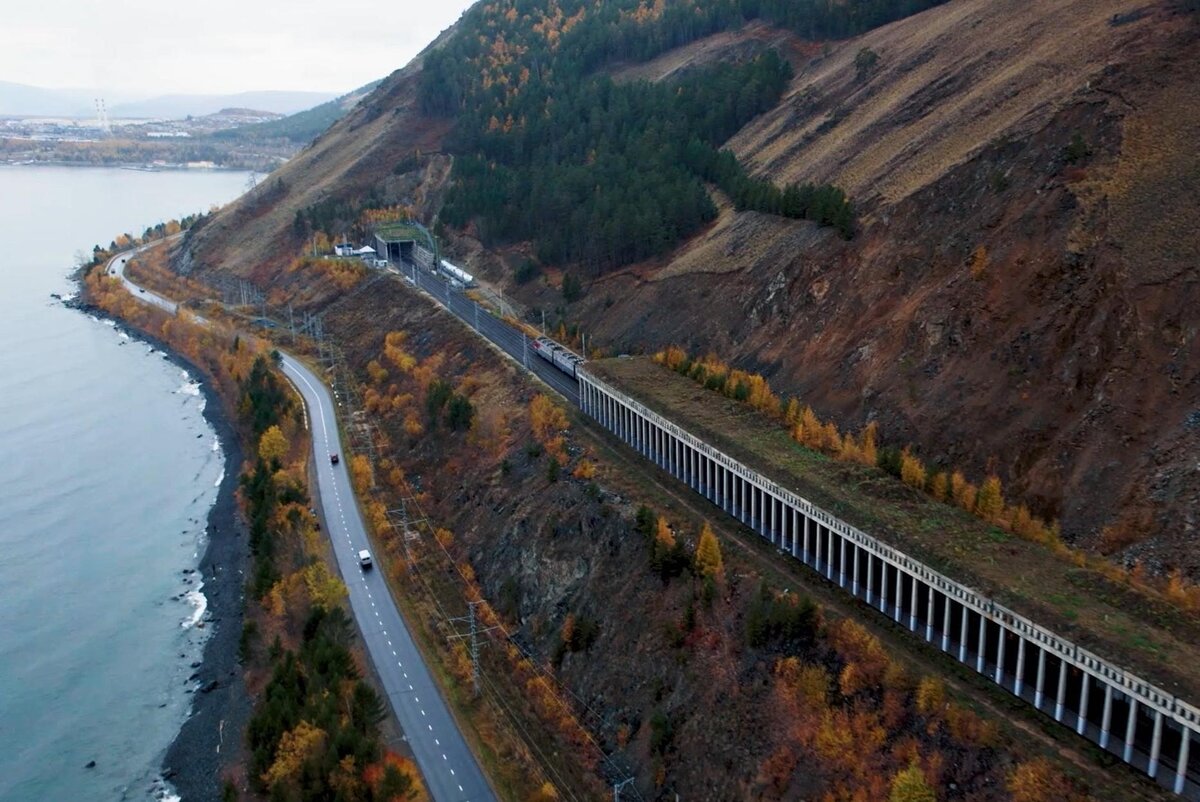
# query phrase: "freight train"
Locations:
[[557, 355]]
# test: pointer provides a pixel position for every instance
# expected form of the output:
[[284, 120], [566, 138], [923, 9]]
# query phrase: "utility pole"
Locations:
[[618, 786], [473, 633], [543, 322]]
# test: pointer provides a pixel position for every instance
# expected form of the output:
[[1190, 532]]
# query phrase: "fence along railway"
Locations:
[[1142, 724]]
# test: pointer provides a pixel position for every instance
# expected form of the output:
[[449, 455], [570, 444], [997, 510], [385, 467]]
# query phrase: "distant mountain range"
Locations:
[[25, 100]]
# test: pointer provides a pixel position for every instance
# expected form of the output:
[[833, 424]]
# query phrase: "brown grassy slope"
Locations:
[[253, 237], [947, 83], [1067, 362]]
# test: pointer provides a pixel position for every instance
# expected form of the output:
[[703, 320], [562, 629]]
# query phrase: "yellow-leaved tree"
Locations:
[[708, 554], [910, 785], [272, 446], [989, 503], [295, 748]]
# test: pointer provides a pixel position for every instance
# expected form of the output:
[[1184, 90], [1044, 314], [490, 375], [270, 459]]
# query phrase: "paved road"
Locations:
[[449, 768], [116, 267], [510, 340]]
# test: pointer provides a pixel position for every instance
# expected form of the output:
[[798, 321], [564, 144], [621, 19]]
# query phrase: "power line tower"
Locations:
[[617, 788], [102, 121], [473, 633], [408, 527]]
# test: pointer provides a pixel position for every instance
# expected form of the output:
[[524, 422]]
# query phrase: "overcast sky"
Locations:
[[215, 46]]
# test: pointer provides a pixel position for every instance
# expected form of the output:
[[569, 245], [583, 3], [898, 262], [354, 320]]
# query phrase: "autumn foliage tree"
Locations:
[[272, 446], [708, 554]]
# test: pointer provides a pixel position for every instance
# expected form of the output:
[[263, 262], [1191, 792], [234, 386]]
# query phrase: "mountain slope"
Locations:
[[1019, 296], [303, 126]]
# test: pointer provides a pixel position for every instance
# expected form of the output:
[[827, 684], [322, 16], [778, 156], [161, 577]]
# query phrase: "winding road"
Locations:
[[450, 770]]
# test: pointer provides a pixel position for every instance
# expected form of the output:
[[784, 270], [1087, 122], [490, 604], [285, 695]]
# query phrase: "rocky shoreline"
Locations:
[[210, 740]]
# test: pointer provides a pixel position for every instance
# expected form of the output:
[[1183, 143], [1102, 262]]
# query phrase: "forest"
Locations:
[[602, 174]]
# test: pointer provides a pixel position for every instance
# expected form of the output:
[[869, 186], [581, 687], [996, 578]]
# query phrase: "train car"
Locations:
[[558, 356], [458, 274]]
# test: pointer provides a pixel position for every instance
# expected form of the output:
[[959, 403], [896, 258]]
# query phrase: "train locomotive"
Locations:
[[557, 355]]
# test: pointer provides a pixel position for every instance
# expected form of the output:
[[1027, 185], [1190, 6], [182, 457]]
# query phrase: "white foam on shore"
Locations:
[[123, 335], [201, 405], [220, 478], [216, 444], [163, 791], [199, 604], [190, 388]]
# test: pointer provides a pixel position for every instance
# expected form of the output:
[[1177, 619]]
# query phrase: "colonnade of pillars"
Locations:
[[1025, 664]]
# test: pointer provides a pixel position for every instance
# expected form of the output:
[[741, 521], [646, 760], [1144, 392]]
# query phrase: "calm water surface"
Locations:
[[107, 473]]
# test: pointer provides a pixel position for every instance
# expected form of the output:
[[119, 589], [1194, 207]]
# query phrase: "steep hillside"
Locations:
[[1006, 304], [1019, 294]]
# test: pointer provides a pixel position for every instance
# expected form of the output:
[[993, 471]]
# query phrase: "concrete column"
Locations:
[[772, 526], [870, 577], [807, 526], [1106, 718], [1061, 698], [962, 635], [1181, 770], [912, 604], [745, 495], [1038, 694], [797, 523], [946, 624], [999, 677], [754, 508], [854, 575], [899, 596], [979, 656], [828, 552], [842, 563], [1019, 683], [1155, 744], [883, 585], [1081, 725], [930, 609], [1130, 729]]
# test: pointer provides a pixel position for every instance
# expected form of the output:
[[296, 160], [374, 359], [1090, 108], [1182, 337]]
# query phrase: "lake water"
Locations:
[[107, 474]]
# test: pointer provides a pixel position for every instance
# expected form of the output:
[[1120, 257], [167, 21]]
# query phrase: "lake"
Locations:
[[107, 473]]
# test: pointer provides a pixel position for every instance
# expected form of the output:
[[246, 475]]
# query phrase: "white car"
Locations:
[[364, 559]]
